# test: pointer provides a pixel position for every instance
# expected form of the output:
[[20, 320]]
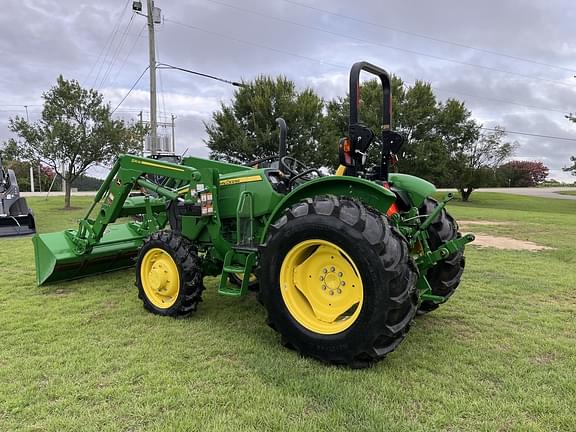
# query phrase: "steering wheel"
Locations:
[[292, 166]]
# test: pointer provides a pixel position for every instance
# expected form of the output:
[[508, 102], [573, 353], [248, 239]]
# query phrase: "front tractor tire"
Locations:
[[445, 276], [338, 282], [168, 275]]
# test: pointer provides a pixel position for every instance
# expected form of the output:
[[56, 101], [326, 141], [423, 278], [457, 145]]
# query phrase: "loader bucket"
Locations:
[[16, 218], [56, 260]]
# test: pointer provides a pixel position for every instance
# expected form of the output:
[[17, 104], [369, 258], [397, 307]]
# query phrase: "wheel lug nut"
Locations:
[[324, 270], [332, 269], [342, 283], [324, 287], [331, 292], [321, 278], [339, 291], [339, 274]]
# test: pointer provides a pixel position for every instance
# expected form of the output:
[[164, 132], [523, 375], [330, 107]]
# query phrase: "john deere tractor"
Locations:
[[344, 262]]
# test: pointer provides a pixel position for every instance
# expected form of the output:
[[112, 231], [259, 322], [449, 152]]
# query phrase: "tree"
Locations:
[[246, 129], [572, 168], [432, 129], [12, 158], [75, 132], [522, 173], [22, 172], [473, 164], [335, 120]]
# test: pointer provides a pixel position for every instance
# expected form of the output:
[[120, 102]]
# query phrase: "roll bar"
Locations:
[[352, 150], [355, 93]]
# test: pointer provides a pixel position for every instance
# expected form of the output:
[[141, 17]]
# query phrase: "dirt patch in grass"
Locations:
[[484, 240], [465, 223], [545, 358]]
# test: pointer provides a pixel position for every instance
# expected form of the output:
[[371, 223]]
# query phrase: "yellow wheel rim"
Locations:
[[321, 286], [160, 278]]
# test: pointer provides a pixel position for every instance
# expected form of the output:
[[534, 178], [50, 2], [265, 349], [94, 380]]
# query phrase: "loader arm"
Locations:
[[97, 245], [127, 172]]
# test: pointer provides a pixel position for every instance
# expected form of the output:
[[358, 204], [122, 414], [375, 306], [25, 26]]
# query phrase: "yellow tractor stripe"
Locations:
[[238, 180]]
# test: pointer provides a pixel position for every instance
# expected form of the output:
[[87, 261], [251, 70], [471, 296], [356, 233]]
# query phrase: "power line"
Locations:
[[130, 91], [116, 52], [423, 36], [502, 101], [20, 105], [160, 77], [130, 51], [530, 134], [410, 51], [108, 45], [167, 66], [225, 36], [338, 66]]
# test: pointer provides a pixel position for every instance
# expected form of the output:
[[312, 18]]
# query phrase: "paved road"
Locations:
[[549, 192], [43, 194]]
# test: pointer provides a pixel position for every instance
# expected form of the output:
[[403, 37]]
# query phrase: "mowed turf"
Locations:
[[567, 192], [500, 355]]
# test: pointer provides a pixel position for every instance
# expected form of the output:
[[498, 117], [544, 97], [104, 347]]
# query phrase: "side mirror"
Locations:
[[392, 141]]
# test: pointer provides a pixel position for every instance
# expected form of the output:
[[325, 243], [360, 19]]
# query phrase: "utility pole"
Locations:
[[31, 168], [152, 55], [143, 143], [173, 139], [31, 178]]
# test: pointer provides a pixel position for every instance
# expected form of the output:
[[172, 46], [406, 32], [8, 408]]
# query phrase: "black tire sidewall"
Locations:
[[156, 243], [375, 291]]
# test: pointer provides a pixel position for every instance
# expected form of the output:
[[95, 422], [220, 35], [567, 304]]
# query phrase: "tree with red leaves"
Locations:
[[522, 173]]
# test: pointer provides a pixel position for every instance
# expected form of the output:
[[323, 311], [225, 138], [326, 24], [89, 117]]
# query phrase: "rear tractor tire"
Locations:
[[445, 276], [168, 275], [338, 282]]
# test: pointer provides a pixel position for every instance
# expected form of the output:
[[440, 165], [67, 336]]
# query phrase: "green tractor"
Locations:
[[344, 262]]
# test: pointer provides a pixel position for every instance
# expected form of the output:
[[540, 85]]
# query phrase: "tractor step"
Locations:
[[243, 271], [245, 248], [233, 269]]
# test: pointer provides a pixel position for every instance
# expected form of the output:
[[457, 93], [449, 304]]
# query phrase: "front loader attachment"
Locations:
[[57, 261], [99, 245], [16, 218]]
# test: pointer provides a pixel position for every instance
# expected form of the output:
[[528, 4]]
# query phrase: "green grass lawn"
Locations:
[[567, 192], [500, 355]]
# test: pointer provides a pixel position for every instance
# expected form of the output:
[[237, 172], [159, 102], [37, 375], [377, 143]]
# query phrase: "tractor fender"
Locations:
[[367, 192], [417, 189]]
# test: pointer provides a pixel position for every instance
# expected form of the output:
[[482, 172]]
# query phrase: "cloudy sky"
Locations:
[[512, 62]]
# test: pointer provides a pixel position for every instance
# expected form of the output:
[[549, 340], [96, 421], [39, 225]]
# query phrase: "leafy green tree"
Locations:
[[572, 168], [473, 164], [75, 132], [335, 121], [432, 129], [43, 174], [246, 129]]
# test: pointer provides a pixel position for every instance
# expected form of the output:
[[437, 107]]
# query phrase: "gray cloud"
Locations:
[[41, 39]]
